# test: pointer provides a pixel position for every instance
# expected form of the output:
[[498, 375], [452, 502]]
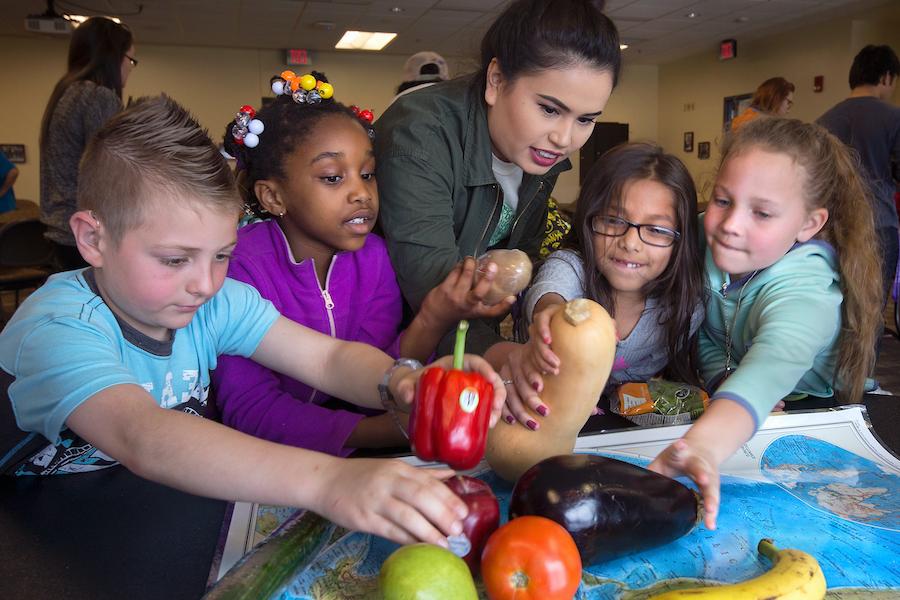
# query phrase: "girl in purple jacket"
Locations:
[[306, 163]]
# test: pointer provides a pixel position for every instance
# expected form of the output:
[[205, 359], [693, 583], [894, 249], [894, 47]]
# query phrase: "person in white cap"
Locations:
[[422, 69]]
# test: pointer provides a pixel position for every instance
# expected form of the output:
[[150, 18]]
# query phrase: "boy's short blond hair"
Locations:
[[151, 153]]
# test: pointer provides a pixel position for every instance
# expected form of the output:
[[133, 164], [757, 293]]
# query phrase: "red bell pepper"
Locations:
[[451, 413]]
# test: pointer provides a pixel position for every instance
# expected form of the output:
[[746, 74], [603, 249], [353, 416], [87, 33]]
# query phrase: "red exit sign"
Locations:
[[298, 56], [727, 49]]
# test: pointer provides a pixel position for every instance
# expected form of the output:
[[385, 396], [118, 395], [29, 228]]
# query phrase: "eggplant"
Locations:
[[610, 507]]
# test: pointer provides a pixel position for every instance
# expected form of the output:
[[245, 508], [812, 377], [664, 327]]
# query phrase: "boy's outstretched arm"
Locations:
[[349, 370], [385, 497], [716, 435]]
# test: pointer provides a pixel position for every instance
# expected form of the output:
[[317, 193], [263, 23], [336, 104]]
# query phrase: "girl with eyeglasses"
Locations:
[[634, 249]]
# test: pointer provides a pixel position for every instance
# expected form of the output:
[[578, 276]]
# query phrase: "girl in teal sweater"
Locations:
[[793, 278]]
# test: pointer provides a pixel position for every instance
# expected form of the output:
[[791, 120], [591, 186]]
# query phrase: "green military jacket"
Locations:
[[439, 198]]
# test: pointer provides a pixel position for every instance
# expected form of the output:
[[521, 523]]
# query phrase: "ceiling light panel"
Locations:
[[364, 40]]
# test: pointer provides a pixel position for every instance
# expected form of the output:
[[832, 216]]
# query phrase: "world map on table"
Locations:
[[808, 494]]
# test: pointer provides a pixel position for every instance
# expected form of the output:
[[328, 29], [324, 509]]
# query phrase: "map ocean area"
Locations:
[[818, 481]]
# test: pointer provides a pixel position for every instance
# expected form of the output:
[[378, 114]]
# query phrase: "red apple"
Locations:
[[482, 520]]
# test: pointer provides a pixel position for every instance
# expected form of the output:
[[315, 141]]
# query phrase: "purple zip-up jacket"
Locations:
[[361, 302]]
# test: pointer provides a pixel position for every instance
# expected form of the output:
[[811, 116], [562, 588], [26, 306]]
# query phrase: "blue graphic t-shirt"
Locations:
[[64, 345]]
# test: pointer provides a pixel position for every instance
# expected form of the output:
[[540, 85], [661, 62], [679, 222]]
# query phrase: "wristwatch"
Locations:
[[384, 390]]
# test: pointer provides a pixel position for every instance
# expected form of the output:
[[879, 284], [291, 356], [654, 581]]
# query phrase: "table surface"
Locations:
[[110, 534]]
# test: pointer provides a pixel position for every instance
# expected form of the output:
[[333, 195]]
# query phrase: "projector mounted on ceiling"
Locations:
[[49, 21]]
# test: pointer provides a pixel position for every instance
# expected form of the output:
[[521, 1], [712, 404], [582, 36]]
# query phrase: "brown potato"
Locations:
[[513, 273]]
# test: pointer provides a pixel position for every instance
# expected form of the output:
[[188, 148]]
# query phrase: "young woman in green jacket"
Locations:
[[469, 164]]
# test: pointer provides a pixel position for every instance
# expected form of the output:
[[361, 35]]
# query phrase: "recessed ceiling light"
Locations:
[[396, 10], [364, 40], [742, 19], [623, 46], [79, 19], [692, 15]]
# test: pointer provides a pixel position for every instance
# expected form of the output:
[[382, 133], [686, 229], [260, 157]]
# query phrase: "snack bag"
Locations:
[[660, 402]]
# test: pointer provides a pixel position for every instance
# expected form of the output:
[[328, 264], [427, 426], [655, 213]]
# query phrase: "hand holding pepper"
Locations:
[[404, 389], [454, 409]]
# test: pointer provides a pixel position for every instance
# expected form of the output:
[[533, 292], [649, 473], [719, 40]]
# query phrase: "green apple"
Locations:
[[425, 572]]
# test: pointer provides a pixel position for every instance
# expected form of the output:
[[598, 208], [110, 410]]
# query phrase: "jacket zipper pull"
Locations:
[[724, 288], [329, 303]]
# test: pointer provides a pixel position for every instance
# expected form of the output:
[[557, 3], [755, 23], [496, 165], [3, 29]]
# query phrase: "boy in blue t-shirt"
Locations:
[[102, 355]]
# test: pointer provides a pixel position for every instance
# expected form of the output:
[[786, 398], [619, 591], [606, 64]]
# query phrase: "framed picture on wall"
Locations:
[[14, 152], [688, 141], [703, 150], [732, 107]]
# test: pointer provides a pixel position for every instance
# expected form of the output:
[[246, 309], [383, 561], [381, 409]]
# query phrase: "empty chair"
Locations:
[[25, 209], [26, 257]]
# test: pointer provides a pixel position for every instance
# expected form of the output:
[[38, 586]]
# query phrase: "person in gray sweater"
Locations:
[[101, 56]]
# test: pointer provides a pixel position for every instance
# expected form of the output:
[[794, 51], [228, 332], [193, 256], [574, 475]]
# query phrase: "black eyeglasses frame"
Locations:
[[640, 229]]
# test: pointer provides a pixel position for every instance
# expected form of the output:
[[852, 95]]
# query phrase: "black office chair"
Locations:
[[26, 256]]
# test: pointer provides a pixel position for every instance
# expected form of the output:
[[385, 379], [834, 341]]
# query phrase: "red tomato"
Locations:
[[531, 558]]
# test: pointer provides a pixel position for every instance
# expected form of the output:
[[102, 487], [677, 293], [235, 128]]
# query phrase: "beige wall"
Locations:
[[703, 81], [213, 82], [634, 101]]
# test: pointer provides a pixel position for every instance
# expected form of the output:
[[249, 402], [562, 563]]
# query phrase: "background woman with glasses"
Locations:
[[101, 57], [634, 248]]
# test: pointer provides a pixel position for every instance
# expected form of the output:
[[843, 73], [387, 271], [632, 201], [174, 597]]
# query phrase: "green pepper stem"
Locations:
[[459, 347]]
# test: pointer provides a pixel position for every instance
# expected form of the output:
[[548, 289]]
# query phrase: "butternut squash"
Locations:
[[584, 339]]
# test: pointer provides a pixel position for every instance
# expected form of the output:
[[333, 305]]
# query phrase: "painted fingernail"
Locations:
[[542, 410], [531, 425], [535, 386], [509, 419]]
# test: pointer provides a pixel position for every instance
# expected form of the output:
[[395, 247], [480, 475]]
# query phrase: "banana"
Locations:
[[794, 575]]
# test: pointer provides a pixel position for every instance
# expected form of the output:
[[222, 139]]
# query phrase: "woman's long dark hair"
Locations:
[[96, 51], [680, 288], [536, 35]]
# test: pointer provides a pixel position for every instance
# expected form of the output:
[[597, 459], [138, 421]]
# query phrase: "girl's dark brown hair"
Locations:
[[96, 51], [679, 289]]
